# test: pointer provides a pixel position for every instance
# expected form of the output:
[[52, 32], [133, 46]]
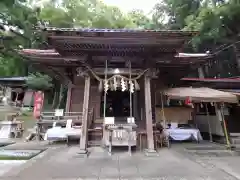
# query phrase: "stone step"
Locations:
[[94, 143], [235, 140]]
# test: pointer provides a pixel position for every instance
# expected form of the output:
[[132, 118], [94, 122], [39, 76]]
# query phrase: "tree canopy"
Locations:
[[216, 21]]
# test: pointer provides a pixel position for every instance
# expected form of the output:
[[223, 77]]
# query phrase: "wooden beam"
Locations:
[[56, 65], [130, 41], [83, 139], [66, 79], [124, 71]]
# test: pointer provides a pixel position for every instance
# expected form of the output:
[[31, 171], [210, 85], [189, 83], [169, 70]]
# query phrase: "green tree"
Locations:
[[38, 81], [174, 12], [140, 19]]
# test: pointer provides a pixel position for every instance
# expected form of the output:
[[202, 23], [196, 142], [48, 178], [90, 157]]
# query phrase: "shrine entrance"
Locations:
[[117, 103]]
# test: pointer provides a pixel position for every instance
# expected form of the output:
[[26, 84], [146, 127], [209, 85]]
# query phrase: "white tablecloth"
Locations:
[[184, 134], [58, 133]]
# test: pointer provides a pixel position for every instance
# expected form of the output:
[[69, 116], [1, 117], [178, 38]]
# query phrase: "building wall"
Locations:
[[77, 96], [232, 120], [201, 122], [180, 115], [28, 98]]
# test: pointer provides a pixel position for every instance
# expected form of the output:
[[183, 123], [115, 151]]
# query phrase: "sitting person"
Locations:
[[32, 134], [159, 127], [169, 126]]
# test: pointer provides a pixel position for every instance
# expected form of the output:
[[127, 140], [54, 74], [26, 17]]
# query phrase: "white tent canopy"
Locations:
[[201, 94]]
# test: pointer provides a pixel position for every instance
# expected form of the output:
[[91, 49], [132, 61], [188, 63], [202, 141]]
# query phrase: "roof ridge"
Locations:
[[116, 30]]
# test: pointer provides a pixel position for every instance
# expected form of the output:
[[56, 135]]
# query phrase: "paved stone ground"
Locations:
[[64, 163], [7, 165]]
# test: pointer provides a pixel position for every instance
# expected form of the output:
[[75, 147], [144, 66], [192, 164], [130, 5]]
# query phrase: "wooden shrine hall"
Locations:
[[115, 72]]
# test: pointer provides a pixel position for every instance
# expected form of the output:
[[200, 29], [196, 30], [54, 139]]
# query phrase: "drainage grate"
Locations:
[[205, 148], [18, 154], [214, 154]]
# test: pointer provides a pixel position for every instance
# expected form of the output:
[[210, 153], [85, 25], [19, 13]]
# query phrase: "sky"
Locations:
[[128, 5]]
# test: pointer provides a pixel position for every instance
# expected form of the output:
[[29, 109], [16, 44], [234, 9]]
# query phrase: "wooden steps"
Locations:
[[95, 133]]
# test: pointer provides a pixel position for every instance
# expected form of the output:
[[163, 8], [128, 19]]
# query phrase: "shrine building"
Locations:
[[115, 73]]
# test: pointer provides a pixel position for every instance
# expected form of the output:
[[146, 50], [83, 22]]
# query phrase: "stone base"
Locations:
[[151, 152], [230, 147], [83, 153]]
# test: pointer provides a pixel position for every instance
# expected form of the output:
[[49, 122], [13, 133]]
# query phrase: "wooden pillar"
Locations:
[[69, 96], [83, 139], [148, 111]]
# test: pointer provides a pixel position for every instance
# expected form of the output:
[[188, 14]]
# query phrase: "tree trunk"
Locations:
[[56, 95], [55, 99], [60, 98]]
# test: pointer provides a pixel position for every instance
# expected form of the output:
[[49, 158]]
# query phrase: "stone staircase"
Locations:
[[235, 139]]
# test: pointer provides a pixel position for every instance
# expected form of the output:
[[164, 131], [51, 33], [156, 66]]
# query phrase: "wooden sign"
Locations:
[[38, 103], [59, 112]]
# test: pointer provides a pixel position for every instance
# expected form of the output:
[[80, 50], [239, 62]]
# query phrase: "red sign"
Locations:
[[38, 103]]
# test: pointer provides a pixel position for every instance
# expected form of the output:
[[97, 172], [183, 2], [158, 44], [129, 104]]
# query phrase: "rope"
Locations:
[[105, 92], [130, 93], [100, 79]]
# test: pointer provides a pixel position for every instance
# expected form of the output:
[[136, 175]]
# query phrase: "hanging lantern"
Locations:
[[201, 105], [131, 87], [137, 87], [106, 86], [168, 101], [123, 85], [100, 86], [180, 103], [212, 104]]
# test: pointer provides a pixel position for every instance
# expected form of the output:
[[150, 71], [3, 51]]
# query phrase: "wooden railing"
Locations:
[[47, 118]]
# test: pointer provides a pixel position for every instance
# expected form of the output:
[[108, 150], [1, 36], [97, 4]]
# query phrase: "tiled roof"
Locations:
[[118, 30], [13, 78], [39, 52], [192, 55], [51, 52], [232, 80]]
